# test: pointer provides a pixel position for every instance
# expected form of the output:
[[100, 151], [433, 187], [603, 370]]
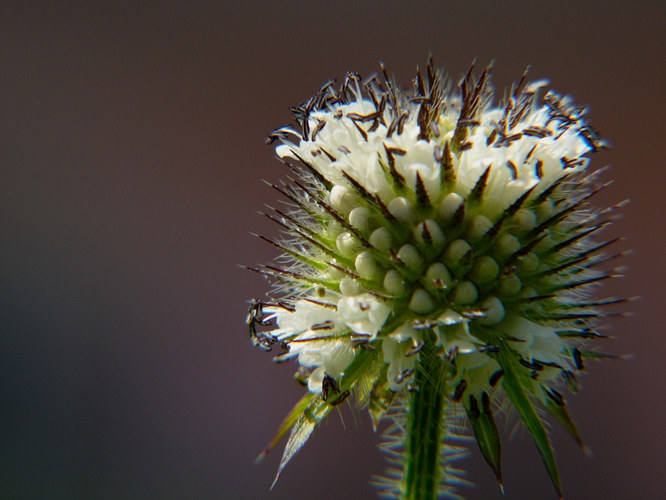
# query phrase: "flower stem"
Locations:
[[424, 428]]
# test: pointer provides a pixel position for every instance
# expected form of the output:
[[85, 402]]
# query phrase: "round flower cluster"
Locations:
[[435, 219]]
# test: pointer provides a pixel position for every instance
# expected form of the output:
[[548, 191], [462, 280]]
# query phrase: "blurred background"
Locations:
[[131, 158]]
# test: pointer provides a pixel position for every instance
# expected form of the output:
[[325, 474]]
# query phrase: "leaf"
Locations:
[[380, 405], [598, 355], [366, 383], [309, 412], [528, 414], [487, 437], [287, 424], [381, 398], [561, 413], [301, 432]]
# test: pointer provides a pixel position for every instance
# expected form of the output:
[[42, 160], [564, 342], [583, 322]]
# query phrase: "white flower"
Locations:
[[363, 313], [346, 147], [436, 223]]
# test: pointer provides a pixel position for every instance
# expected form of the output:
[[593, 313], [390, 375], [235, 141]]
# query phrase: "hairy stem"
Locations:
[[424, 428]]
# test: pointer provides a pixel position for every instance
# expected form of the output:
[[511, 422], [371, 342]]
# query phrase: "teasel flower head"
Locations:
[[438, 253]]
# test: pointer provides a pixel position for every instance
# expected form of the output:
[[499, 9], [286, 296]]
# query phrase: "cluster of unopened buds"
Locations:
[[437, 258]]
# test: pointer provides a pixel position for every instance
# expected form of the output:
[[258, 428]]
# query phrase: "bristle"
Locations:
[[422, 199], [476, 195]]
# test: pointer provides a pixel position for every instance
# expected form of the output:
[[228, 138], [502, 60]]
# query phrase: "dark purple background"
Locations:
[[131, 152]]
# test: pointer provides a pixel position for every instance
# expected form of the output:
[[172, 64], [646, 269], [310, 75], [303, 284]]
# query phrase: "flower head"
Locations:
[[435, 230]]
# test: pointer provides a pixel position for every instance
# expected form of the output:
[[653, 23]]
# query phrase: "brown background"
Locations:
[[131, 152]]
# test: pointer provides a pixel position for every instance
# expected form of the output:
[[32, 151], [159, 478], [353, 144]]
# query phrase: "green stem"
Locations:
[[425, 428]]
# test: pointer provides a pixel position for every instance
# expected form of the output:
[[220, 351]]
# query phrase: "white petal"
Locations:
[[363, 313]]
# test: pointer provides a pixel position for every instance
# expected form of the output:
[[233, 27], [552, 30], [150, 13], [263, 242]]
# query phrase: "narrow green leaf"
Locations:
[[289, 421], [598, 355], [520, 399], [366, 383], [301, 432], [562, 415], [380, 398], [487, 437], [310, 411]]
